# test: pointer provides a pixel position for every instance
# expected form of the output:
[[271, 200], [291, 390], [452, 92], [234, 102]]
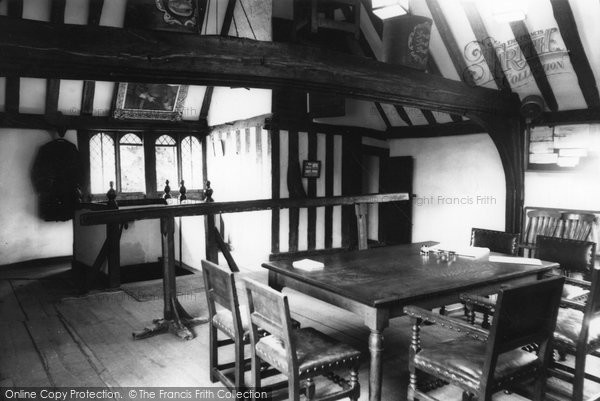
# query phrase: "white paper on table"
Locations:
[[515, 259], [468, 251], [308, 265]]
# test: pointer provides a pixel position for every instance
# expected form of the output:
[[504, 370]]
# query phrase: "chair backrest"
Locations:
[[577, 226], [525, 314], [541, 222], [269, 310], [496, 241], [573, 256], [593, 300], [219, 284]]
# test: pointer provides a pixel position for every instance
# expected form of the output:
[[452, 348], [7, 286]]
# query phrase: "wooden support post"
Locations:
[[212, 250], [361, 210], [114, 255], [167, 233]]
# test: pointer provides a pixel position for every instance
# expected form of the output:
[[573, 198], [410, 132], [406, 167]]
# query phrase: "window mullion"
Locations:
[[150, 164], [116, 139]]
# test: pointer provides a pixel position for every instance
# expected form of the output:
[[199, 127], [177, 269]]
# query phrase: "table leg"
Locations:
[[175, 319], [375, 368]]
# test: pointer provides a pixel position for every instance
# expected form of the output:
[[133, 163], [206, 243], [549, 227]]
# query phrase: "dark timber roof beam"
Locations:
[[39, 49]]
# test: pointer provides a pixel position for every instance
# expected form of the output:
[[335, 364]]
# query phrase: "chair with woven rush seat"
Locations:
[[300, 354], [496, 241], [483, 362], [539, 222]]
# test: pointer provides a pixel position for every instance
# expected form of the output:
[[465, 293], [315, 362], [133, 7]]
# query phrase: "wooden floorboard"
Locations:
[[49, 336], [20, 362], [64, 361], [10, 310]]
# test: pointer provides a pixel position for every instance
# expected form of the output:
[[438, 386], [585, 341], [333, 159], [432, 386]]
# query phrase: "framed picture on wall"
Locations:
[[563, 147], [150, 101], [311, 169]]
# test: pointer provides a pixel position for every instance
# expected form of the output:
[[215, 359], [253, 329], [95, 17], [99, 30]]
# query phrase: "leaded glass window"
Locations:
[[191, 162], [166, 162], [132, 164], [102, 162]]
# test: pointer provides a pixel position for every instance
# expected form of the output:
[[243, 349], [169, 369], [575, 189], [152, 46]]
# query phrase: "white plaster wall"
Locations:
[[578, 190], [238, 104], [459, 183], [23, 235]]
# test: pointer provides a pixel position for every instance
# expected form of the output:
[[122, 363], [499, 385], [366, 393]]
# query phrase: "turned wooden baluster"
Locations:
[[415, 346], [182, 192], [212, 251], [111, 195], [167, 194]]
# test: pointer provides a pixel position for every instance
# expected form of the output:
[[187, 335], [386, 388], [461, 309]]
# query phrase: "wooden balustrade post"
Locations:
[[361, 210], [212, 251], [114, 254]]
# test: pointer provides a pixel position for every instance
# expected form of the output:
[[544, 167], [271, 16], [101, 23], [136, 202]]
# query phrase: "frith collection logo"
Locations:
[[512, 57]]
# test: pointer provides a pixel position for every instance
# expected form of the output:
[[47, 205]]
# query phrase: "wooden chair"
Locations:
[[578, 333], [301, 354], [496, 241], [576, 259], [577, 226], [221, 290], [539, 222], [483, 362]]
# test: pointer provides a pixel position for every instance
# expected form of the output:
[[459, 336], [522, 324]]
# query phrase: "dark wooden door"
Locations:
[[395, 218]]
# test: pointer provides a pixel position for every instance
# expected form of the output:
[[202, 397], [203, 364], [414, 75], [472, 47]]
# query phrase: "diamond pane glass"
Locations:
[[165, 140], [102, 163], [130, 139], [132, 164], [166, 166], [191, 160]]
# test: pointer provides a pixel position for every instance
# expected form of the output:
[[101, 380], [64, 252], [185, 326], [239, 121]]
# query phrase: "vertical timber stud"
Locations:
[[293, 163], [329, 140], [351, 185], [275, 186], [507, 134], [312, 192]]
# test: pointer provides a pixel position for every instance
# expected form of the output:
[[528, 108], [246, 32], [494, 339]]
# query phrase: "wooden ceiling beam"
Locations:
[[432, 68], [450, 42], [13, 82], [428, 131], [207, 100], [535, 64], [57, 16], [41, 121], [568, 30], [40, 49], [429, 116], [585, 116], [487, 45], [383, 116], [89, 87], [403, 115]]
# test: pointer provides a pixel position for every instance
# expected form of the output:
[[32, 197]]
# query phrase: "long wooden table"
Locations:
[[377, 283]]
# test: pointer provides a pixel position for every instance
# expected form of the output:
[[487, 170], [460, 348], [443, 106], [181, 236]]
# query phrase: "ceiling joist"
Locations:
[[427, 131], [450, 42], [568, 30], [535, 64], [487, 45]]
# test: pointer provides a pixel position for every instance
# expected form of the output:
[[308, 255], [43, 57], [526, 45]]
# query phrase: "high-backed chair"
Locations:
[[300, 354], [576, 258], [221, 290], [539, 222], [496, 241], [483, 362], [577, 226], [578, 333]]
